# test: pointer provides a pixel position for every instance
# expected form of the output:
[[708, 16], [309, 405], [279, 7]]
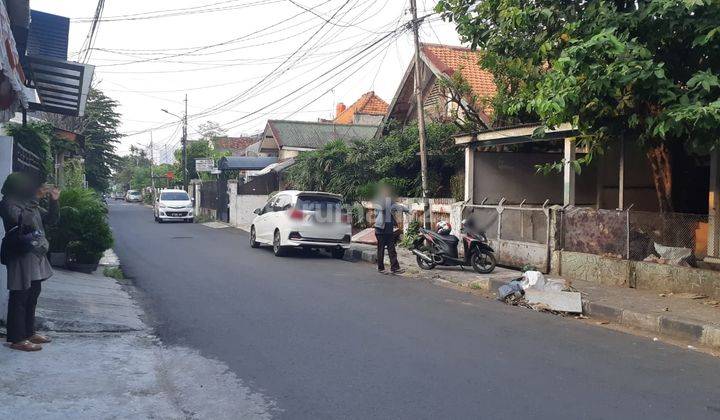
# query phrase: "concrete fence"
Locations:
[[241, 206]]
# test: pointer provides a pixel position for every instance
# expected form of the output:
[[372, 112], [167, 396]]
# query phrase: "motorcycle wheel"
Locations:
[[483, 262], [424, 264]]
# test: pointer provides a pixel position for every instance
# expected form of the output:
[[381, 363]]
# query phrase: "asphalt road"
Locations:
[[333, 339]]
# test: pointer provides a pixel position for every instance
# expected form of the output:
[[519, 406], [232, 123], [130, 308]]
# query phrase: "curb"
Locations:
[[705, 334]]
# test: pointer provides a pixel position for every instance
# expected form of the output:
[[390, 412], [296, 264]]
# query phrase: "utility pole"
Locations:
[[184, 147], [420, 117], [152, 164]]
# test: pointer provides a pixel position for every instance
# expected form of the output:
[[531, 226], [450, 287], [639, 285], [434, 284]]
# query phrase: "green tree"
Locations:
[[352, 169], [645, 71], [197, 149], [99, 125]]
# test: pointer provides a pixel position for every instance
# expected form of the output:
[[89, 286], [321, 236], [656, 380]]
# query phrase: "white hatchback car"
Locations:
[[306, 219], [173, 205]]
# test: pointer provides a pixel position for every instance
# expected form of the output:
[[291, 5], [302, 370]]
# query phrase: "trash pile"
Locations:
[[534, 291], [671, 255]]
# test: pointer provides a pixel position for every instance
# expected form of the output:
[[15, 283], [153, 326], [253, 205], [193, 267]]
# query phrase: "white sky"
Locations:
[[211, 76]]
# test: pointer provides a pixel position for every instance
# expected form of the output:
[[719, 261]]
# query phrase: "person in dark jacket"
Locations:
[[27, 271], [385, 228]]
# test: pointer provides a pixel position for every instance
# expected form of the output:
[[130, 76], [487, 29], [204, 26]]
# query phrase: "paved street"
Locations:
[[333, 339]]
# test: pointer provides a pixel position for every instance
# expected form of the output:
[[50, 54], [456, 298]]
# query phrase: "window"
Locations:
[[283, 203], [318, 203], [174, 196]]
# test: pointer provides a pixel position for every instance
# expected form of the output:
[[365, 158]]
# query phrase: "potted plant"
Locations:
[[82, 229]]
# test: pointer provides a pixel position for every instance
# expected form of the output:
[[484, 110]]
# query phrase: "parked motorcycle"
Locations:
[[441, 248]]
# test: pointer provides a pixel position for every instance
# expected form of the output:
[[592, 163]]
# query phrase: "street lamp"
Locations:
[[184, 142]]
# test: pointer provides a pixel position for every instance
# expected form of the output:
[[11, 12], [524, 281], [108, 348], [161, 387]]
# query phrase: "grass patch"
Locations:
[[114, 272], [475, 285]]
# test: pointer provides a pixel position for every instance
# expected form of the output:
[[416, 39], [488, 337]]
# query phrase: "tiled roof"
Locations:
[[233, 143], [314, 135], [369, 104], [448, 59]]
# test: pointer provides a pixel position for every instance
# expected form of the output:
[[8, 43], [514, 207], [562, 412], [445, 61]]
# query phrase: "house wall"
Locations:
[[639, 188], [287, 154], [514, 176], [367, 119]]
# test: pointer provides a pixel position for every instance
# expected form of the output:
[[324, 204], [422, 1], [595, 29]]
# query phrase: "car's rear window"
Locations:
[[311, 202], [174, 196]]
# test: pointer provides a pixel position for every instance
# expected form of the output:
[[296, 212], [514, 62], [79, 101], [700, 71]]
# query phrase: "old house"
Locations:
[[440, 64], [286, 139], [369, 109], [234, 146]]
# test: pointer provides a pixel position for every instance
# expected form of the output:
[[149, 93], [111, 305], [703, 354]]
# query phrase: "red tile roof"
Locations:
[[233, 143], [449, 59], [369, 104]]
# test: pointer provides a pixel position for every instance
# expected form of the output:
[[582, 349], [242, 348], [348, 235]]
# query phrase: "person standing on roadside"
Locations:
[[385, 228], [24, 252]]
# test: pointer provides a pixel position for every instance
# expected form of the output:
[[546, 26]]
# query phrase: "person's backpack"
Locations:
[[16, 243]]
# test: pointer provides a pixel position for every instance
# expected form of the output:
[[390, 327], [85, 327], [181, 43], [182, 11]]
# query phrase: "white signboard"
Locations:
[[204, 165]]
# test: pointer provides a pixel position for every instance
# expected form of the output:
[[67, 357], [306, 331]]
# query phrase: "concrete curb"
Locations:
[[671, 326]]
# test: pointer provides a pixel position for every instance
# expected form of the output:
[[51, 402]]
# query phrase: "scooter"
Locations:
[[432, 249]]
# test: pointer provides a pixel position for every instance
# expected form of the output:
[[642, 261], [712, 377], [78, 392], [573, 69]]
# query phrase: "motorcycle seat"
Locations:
[[451, 240]]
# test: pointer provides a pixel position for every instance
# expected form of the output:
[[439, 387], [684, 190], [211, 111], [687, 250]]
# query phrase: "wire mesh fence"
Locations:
[[657, 235], [676, 238]]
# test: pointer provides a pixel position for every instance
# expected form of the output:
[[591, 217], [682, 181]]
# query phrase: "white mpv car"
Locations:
[[307, 219], [173, 205]]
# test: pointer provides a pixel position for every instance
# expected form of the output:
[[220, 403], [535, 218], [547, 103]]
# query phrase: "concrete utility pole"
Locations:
[[420, 117], [184, 147], [152, 164]]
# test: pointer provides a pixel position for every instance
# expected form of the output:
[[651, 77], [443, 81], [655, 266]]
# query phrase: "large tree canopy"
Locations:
[[99, 125], [641, 70]]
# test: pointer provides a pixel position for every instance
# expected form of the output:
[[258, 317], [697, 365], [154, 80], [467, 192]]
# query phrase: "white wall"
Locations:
[[242, 206], [6, 146]]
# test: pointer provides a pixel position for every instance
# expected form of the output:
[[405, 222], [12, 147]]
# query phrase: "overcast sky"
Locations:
[[241, 61]]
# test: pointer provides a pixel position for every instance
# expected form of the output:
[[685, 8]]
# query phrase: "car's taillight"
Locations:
[[346, 218], [296, 214]]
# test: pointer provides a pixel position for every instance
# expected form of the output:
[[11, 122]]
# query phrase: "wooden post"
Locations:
[[569, 173]]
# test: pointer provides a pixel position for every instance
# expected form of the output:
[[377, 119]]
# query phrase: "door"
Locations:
[[222, 211], [263, 223]]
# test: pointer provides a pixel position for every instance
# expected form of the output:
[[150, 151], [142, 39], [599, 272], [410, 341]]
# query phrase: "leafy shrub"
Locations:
[[411, 234], [82, 229]]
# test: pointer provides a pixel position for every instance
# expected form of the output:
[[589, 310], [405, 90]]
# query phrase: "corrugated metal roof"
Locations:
[[245, 163], [314, 135]]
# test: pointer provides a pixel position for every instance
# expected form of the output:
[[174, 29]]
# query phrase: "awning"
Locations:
[[245, 163], [526, 133], [276, 167], [62, 86]]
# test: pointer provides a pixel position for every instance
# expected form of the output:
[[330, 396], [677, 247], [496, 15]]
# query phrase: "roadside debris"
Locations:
[[671, 255], [534, 291]]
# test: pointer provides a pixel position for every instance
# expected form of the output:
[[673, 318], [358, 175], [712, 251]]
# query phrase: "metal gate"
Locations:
[[223, 212], [519, 234], [214, 197]]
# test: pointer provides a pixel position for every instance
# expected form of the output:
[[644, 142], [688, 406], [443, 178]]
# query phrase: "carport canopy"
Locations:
[[245, 163]]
